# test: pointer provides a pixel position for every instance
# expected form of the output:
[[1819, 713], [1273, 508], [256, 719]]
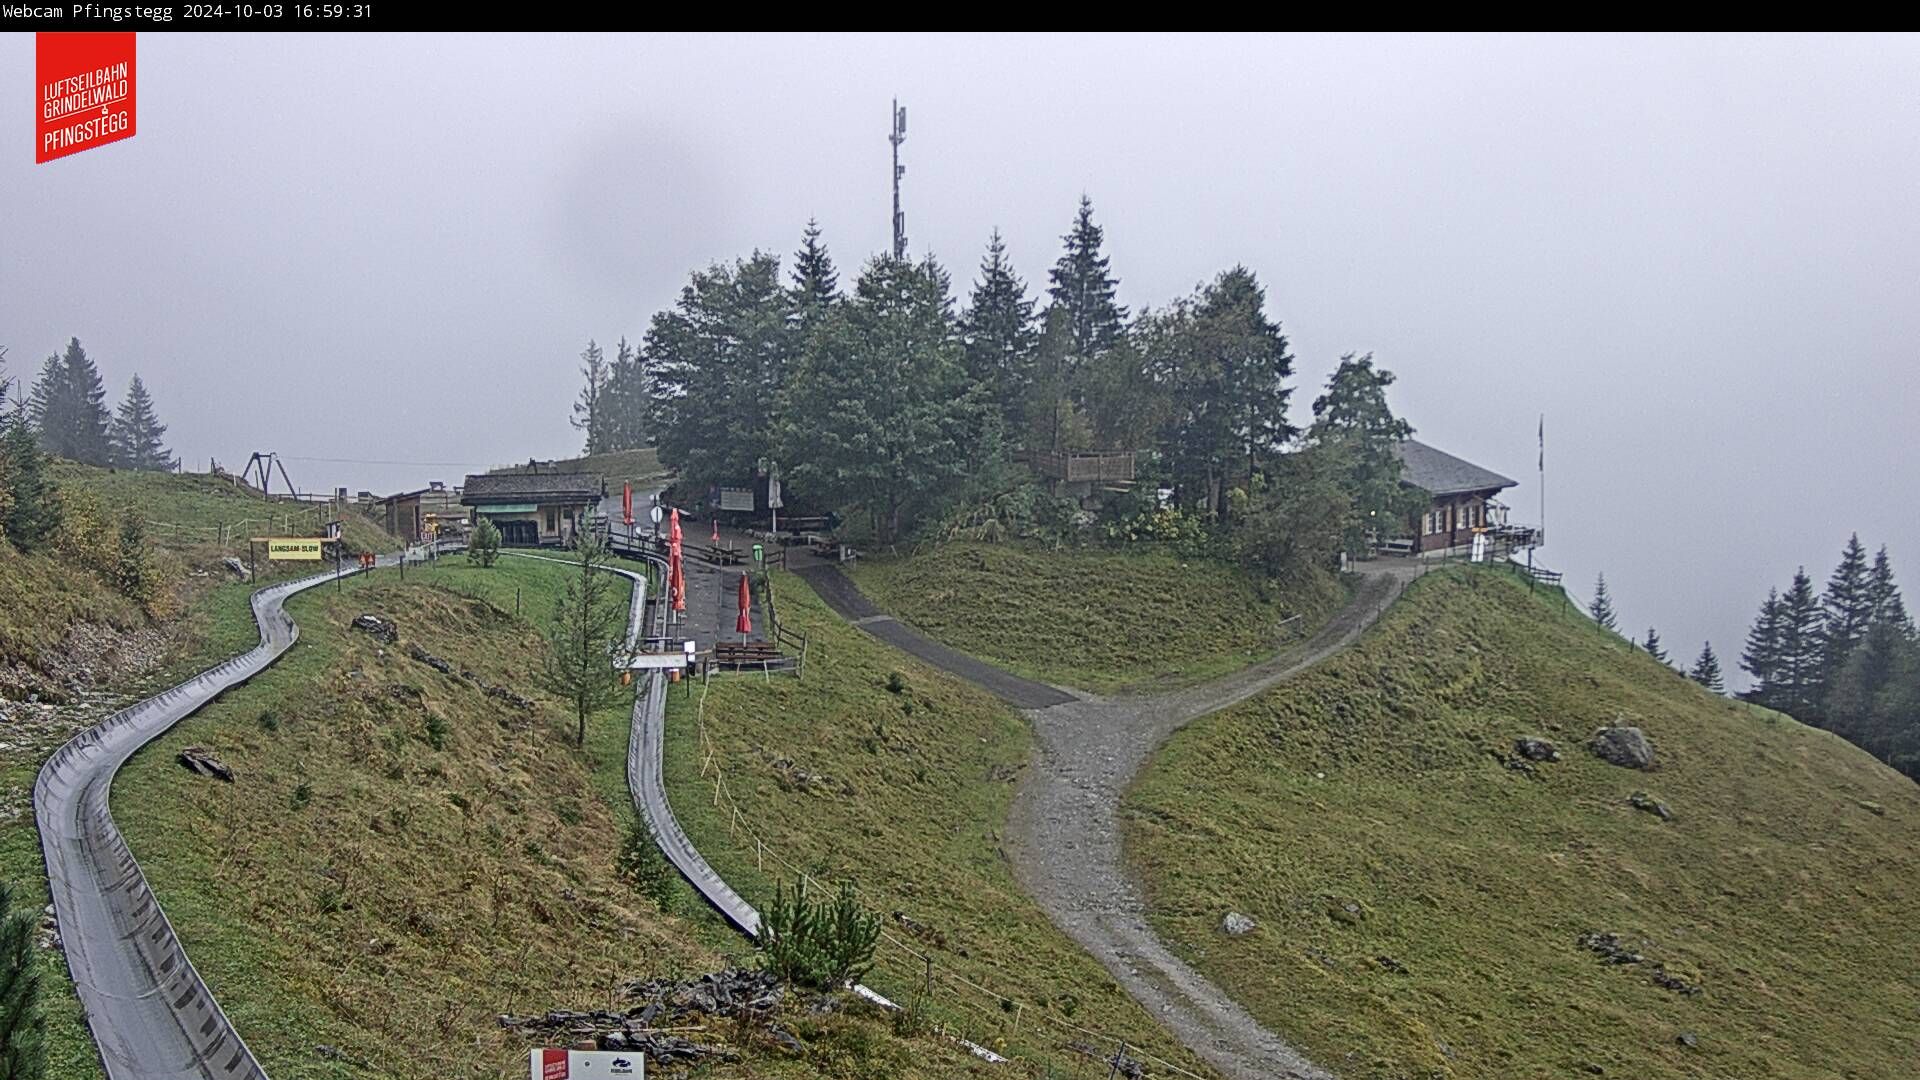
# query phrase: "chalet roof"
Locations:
[[1440, 473], [530, 487]]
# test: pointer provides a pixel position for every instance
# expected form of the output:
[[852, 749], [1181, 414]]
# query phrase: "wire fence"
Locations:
[[230, 533], [933, 994]]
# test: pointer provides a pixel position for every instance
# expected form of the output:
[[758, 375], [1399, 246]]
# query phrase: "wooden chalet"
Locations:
[[536, 508], [1461, 501], [407, 513]]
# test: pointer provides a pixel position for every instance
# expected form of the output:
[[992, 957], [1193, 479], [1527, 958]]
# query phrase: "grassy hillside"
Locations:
[[1098, 620], [1421, 904], [639, 466], [402, 856], [905, 791]]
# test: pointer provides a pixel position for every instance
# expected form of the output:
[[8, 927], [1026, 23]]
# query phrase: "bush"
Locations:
[[483, 547], [642, 866], [436, 731], [822, 944]]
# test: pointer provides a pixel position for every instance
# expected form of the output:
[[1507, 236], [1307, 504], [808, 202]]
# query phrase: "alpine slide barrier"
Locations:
[[153, 1017]]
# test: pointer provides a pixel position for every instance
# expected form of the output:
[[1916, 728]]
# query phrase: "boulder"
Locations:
[[1536, 749], [1236, 924], [379, 628], [1627, 747]]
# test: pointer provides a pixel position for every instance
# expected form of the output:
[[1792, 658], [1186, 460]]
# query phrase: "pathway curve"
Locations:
[[1064, 831]]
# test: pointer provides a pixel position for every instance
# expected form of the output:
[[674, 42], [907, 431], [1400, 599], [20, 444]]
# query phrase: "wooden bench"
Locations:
[[746, 653]]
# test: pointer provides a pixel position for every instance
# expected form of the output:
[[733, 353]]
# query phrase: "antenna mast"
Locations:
[[898, 136]]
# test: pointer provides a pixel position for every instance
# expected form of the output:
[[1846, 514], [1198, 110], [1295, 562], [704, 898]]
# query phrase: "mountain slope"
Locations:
[[1421, 904]]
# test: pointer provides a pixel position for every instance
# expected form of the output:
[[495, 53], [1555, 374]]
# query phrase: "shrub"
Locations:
[[483, 547], [436, 731], [823, 944], [642, 866]]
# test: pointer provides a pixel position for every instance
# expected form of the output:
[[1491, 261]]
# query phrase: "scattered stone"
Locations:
[[1687, 1039], [1873, 808], [380, 629], [1536, 749], [1668, 981], [1626, 747], [1643, 801], [1236, 924], [786, 1039], [204, 763], [235, 566], [1609, 948], [920, 930], [1350, 912], [1390, 964], [427, 658], [738, 994]]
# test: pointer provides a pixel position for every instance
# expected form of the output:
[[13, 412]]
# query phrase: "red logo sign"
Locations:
[[84, 92], [553, 1065]]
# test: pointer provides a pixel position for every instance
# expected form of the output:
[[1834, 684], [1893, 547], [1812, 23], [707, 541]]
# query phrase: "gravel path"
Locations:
[[1064, 833]]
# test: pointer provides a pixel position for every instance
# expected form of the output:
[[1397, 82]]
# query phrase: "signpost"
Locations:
[[586, 1065], [303, 549]]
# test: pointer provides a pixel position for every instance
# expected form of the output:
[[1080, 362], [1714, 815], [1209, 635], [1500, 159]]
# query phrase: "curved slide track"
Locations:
[[152, 1016]]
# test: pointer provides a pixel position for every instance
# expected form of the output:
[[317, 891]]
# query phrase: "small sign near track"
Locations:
[[586, 1065]]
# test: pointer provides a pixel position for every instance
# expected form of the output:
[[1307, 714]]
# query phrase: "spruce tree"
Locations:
[[1706, 670], [1883, 594], [1654, 648], [585, 636], [624, 413], [68, 410], [1798, 659], [137, 432], [586, 408], [719, 360], [816, 284], [23, 1053], [1847, 609], [1602, 606], [33, 513], [1000, 335], [1761, 658], [1083, 287]]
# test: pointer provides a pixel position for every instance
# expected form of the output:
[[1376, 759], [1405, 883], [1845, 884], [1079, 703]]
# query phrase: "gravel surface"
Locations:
[[1064, 834]]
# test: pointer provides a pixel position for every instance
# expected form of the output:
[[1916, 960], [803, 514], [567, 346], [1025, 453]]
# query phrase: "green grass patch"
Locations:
[[903, 789], [1420, 902], [1099, 620], [360, 887]]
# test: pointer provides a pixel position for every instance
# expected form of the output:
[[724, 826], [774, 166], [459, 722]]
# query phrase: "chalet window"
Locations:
[[553, 521]]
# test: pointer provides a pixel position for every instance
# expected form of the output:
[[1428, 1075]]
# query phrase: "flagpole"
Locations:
[[1543, 477]]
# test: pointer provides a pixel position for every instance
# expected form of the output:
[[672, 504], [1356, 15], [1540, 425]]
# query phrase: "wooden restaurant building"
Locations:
[[534, 508], [1462, 502]]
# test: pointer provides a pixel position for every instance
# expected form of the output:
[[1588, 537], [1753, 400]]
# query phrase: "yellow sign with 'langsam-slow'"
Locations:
[[301, 548]]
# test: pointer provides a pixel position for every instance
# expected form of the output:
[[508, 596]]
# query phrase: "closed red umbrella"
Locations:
[[676, 576], [745, 625], [626, 504], [716, 530]]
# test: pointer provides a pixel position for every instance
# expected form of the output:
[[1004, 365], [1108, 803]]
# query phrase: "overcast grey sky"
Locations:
[[1698, 257]]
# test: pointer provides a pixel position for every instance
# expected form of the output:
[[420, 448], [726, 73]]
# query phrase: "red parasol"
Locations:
[[626, 504], [676, 576], [745, 625], [716, 530]]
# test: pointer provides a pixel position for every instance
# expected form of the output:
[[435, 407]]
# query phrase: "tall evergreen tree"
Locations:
[[1221, 365], [1847, 609], [625, 410], [586, 407], [1000, 334], [720, 359], [1654, 648], [137, 432], [816, 284], [1354, 414], [1797, 663], [1083, 286], [880, 408], [68, 410], [1761, 658], [23, 1053], [1602, 606], [1706, 670], [1883, 593], [33, 511]]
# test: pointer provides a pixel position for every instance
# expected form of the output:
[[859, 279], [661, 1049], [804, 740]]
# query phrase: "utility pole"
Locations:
[[898, 136]]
